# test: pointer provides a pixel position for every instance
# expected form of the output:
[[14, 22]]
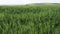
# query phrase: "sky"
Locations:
[[23, 2]]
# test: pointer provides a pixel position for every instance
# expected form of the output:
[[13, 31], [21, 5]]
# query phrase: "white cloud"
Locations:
[[16, 2]]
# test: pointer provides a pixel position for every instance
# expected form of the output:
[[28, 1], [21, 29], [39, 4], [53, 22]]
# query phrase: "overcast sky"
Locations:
[[19, 2]]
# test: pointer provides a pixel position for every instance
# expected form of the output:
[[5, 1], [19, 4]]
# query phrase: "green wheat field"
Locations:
[[42, 19]]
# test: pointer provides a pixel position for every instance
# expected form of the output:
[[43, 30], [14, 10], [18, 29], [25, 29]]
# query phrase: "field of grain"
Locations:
[[29, 19]]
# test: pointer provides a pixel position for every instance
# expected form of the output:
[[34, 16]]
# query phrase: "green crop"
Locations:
[[29, 19]]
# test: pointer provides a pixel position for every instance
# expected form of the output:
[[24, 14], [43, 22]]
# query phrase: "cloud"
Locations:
[[19, 2]]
